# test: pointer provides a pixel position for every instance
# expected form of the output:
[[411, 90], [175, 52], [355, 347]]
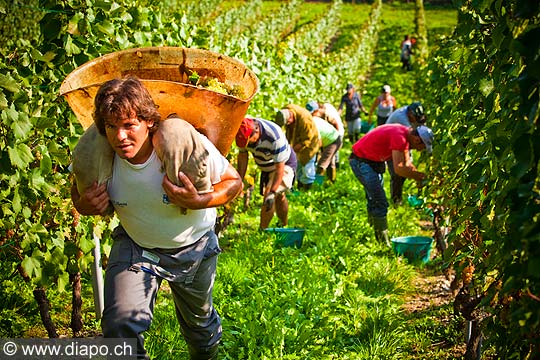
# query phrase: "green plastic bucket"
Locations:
[[414, 248], [365, 127], [415, 202], [288, 237]]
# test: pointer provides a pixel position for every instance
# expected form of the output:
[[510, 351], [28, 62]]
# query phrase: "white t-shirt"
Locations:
[[144, 209], [331, 112]]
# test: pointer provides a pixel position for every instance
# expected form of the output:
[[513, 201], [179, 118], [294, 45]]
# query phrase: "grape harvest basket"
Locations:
[[166, 72]]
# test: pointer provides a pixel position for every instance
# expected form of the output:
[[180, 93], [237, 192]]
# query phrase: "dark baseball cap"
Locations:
[[417, 109]]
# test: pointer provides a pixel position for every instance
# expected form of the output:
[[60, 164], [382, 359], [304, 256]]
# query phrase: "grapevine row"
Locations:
[[484, 85]]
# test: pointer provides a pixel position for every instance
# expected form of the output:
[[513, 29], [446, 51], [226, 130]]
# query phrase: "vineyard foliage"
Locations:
[[484, 88], [481, 89]]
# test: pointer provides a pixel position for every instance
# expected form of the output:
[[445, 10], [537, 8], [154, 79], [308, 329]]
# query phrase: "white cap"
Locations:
[[386, 88], [426, 135]]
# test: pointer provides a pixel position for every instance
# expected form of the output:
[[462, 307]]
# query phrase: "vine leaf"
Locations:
[[21, 127], [32, 266], [8, 83], [20, 155]]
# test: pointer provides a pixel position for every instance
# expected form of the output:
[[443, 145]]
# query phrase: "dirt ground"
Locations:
[[433, 291]]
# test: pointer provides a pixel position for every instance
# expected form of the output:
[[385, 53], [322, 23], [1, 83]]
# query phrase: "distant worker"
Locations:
[[352, 103], [412, 115], [369, 154], [330, 144], [385, 104], [277, 161], [303, 136], [329, 113], [406, 52]]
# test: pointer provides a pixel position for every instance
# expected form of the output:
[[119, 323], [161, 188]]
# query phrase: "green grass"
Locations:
[[339, 296], [19, 315], [353, 17], [441, 20]]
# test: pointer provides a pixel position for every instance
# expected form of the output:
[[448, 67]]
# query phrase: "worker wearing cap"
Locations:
[[352, 104], [276, 160], [303, 136], [411, 115], [369, 154], [329, 113]]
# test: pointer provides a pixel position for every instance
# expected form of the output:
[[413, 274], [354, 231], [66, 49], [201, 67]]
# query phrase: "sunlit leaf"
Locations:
[[8, 83], [20, 155]]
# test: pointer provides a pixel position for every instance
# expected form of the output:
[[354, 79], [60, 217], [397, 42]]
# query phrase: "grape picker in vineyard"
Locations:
[[411, 116], [385, 104], [369, 154], [156, 240], [330, 142], [406, 52], [352, 103], [329, 113], [277, 161], [303, 136]]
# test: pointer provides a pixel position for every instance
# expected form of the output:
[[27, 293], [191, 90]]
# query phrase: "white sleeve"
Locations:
[[217, 163]]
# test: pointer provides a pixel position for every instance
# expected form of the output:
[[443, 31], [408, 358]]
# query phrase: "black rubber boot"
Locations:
[[380, 225], [208, 353]]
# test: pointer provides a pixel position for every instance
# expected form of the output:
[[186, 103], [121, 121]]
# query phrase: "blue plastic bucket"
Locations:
[[414, 248], [288, 237]]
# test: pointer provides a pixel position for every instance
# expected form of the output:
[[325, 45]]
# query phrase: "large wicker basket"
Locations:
[[165, 71]]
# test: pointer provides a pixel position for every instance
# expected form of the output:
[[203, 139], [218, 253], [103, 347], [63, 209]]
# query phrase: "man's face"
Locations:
[[412, 118], [130, 138], [254, 137], [416, 120], [416, 143]]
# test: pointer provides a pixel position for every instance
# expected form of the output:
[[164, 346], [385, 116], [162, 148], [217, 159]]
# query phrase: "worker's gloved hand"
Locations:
[[269, 201]]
